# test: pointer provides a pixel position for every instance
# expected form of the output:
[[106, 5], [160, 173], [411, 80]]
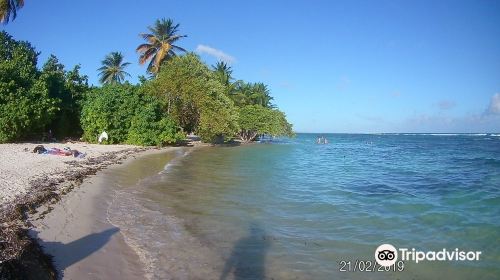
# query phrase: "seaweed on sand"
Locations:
[[21, 257]]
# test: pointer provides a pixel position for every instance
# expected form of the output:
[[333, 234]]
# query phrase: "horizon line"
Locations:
[[443, 133]]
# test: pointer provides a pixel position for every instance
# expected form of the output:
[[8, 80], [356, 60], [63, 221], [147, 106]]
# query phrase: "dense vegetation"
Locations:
[[194, 98], [181, 95], [32, 101], [127, 116]]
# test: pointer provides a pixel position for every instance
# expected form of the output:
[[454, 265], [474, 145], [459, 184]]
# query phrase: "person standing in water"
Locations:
[[322, 140]]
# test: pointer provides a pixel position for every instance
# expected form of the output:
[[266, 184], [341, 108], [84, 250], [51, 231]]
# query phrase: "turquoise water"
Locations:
[[295, 209]]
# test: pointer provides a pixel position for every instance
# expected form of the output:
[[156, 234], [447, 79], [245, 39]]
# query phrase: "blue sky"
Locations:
[[332, 66]]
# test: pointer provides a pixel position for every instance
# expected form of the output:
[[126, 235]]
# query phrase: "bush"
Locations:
[[109, 109], [149, 127], [127, 116]]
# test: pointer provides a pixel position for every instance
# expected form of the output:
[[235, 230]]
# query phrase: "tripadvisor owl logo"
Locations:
[[386, 255]]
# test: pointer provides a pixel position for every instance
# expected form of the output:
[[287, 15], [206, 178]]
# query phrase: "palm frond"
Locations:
[[143, 47], [147, 55], [159, 47], [179, 48], [8, 9], [113, 69]]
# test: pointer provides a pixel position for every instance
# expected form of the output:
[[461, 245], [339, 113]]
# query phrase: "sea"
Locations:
[[295, 209]]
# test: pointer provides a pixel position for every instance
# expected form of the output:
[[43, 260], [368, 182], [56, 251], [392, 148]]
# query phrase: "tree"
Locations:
[[25, 105], [223, 72], [255, 120], [218, 119], [260, 95], [8, 9], [251, 94], [67, 89], [195, 98], [160, 44], [113, 69], [76, 83]]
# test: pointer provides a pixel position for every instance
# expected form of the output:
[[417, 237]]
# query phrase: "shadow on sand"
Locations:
[[247, 260], [75, 251]]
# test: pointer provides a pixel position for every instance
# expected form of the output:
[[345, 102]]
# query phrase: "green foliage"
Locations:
[[195, 98], [127, 116], [67, 89], [25, 105], [150, 127], [256, 119], [185, 95], [280, 125], [218, 117], [223, 72], [256, 113], [76, 87], [109, 108], [251, 94]]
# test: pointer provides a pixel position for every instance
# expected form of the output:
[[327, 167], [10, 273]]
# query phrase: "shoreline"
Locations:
[[21, 255], [79, 233]]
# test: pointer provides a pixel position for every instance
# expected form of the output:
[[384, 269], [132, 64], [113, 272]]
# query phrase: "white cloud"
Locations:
[[494, 107], [220, 55]]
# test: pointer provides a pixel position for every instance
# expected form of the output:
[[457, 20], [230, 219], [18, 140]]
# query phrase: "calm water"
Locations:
[[295, 209]]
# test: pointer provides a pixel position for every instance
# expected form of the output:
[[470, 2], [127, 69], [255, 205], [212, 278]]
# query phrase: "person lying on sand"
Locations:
[[40, 149]]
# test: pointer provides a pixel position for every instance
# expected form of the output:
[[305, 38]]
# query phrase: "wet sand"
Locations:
[[78, 234]]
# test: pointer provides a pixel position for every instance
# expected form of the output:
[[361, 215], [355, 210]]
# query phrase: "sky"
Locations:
[[332, 66]]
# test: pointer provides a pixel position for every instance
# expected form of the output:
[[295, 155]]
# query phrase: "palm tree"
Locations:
[[251, 94], [9, 8], [113, 69], [261, 95], [241, 92], [160, 44], [223, 72]]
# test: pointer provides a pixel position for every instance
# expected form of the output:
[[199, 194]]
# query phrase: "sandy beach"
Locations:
[[78, 234], [20, 166], [29, 181]]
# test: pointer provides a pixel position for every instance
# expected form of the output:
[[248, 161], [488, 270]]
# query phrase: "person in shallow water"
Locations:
[[322, 140]]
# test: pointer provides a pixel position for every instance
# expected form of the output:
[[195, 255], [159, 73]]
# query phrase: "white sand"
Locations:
[[19, 165]]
